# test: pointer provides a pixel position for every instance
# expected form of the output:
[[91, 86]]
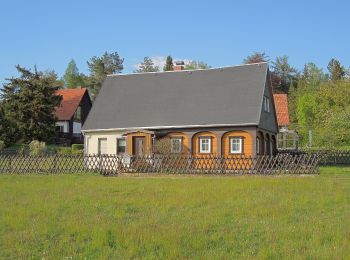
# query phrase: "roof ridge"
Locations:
[[179, 71]]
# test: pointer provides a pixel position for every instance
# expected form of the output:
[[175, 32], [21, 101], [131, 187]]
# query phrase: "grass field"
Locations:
[[58, 216]]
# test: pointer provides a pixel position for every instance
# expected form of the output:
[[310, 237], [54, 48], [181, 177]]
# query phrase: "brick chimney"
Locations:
[[179, 65]]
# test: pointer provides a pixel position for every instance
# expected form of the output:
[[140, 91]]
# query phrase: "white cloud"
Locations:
[[160, 61]]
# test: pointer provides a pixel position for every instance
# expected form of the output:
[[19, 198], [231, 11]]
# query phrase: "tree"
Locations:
[[287, 74], [72, 78], [313, 76], [196, 65], [169, 66], [336, 70], [100, 67], [147, 66], [256, 57], [29, 102], [7, 130]]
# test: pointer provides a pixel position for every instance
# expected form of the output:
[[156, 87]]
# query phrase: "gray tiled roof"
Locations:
[[222, 96]]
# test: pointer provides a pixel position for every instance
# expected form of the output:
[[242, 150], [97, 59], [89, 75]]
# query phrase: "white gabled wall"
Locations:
[[91, 141]]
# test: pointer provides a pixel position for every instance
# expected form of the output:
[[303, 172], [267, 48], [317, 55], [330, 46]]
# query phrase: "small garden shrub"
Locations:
[[68, 151], [37, 148], [77, 147]]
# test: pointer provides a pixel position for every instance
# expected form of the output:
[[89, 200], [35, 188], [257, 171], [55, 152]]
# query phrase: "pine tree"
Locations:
[[336, 70], [147, 66], [256, 57], [287, 73], [72, 78], [7, 130], [29, 102], [169, 66], [100, 67]]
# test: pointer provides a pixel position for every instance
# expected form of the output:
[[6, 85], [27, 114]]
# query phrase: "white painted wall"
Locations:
[[76, 128], [64, 124], [91, 141]]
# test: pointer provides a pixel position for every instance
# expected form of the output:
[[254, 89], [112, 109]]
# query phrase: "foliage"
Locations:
[[287, 74], [77, 147], [336, 70], [37, 148], [196, 65], [147, 66], [169, 66], [7, 129], [72, 78], [28, 103], [2, 145], [162, 146], [325, 110], [100, 67], [313, 76], [200, 217], [69, 150], [256, 57]]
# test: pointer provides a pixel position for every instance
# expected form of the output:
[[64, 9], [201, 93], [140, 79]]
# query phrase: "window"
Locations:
[[78, 113], [102, 146], [121, 144], [266, 104], [59, 128], [257, 145], [176, 145], [236, 145], [204, 145]]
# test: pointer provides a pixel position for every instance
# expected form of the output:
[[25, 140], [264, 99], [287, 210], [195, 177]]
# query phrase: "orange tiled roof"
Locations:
[[70, 101], [281, 105]]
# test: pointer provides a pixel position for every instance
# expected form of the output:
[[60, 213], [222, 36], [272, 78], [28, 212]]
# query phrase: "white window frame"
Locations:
[[121, 138], [233, 142], [172, 140], [201, 140], [99, 146], [266, 104], [258, 145]]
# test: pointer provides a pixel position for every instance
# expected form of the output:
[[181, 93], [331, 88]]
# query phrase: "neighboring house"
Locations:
[[281, 104], [287, 139], [71, 115], [220, 112]]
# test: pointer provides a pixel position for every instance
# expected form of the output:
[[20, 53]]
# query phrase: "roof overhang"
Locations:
[[133, 129]]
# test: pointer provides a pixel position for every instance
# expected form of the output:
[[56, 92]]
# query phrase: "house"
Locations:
[[226, 111], [281, 104], [286, 138], [71, 115]]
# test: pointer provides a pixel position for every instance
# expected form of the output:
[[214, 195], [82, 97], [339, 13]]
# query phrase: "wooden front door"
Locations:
[[138, 146]]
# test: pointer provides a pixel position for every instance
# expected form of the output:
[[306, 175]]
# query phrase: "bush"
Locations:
[[162, 146], [37, 148], [76, 147], [68, 151], [2, 145]]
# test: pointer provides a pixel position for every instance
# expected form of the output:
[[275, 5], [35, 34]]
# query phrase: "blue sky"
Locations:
[[221, 33]]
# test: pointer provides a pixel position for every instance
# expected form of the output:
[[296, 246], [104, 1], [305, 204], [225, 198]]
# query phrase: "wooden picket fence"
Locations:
[[115, 164]]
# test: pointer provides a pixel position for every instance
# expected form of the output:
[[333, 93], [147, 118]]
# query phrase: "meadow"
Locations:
[[90, 216]]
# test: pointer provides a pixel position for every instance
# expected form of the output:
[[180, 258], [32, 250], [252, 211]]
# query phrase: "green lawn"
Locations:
[[58, 216]]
